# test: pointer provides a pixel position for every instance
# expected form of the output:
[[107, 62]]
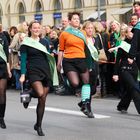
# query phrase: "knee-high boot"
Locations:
[[2, 114]]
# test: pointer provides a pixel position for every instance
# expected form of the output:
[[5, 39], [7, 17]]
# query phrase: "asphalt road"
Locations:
[[63, 120]]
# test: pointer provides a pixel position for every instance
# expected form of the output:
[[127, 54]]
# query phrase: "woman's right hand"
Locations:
[[22, 78], [59, 67], [113, 49], [115, 78]]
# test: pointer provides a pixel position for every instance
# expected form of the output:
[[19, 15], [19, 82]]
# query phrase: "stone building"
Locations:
[[51, 12]]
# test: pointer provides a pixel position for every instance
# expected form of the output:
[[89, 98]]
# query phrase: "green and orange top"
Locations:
[[72, 45]]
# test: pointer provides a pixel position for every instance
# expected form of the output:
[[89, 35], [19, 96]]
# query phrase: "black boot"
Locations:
[[39, 130], [82, 107], [2, 123], [26, 103], [87, 109]]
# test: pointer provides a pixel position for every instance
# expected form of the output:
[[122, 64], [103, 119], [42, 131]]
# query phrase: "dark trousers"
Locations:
[[129, 80], [94, 77]]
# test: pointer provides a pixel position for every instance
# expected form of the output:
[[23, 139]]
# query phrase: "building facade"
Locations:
[[50, 12]]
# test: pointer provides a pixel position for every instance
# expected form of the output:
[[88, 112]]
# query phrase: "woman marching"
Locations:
[[89, 29], [73, 52], [4, 73], [39, 66], [126, 71]]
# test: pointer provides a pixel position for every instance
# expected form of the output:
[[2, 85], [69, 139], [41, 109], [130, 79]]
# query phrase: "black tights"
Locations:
[[41, 92], [74, 78], [3, 85]]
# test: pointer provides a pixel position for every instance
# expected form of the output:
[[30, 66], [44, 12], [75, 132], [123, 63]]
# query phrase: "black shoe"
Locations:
[[26, 105], [87, 109], [2, 123], [122, 110], [82, 108], [39, 130]]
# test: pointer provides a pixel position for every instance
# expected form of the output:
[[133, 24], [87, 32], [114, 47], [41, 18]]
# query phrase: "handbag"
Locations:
[[102, 54], [24, 95]]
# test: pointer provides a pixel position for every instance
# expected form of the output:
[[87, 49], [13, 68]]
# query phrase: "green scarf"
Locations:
[[138, 78], [125, 46], [79, 34], [137, 26], [2, 53], [37, 45], [93, 51], [117, 35]]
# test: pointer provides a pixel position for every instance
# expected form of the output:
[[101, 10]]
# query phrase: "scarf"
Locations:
[[2, 53]]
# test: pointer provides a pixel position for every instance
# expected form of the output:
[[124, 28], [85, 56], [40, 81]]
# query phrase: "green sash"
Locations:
[[79, 34], [116, 35], [137, 26], [125, 46], [37, 45], [93, 51], [138, 78], [2, 53]]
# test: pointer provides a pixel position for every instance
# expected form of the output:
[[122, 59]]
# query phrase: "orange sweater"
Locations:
[[72, 46]]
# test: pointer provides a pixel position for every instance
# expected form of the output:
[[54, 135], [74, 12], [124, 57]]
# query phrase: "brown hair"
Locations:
[[136, 3], [14, 28], [70, 14], [30, 26]]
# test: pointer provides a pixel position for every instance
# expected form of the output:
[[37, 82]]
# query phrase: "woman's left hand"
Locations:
[[130, 61], [9, 74], [115, 78], [9, 71]]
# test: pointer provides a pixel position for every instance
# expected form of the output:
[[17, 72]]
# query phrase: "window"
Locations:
[[102, 2], [8, 13], [57, 5], [38, 7], [21, 12], [57, 15], [0, 15], [127, 1], [78, 4]]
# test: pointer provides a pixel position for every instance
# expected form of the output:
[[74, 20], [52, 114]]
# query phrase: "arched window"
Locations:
[[78, 4], [8, 13], [21, 13], [102, 2], [57, 5], [38, 6], [0, 14], [57, 15]]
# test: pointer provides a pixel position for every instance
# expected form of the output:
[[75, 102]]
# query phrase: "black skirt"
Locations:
[[3, 71], [76, 64], [39, 74]]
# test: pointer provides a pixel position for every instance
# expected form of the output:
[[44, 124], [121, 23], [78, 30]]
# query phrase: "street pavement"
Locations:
[[63, 120]]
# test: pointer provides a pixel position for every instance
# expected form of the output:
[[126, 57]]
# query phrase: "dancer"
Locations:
[[39, 66], [75, 65]]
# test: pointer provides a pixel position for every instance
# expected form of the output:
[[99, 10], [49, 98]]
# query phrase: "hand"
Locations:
[[130, 61], [9, 74], [59, 67], [22, 78], [113, 49], [9, 71], [115, 78]]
